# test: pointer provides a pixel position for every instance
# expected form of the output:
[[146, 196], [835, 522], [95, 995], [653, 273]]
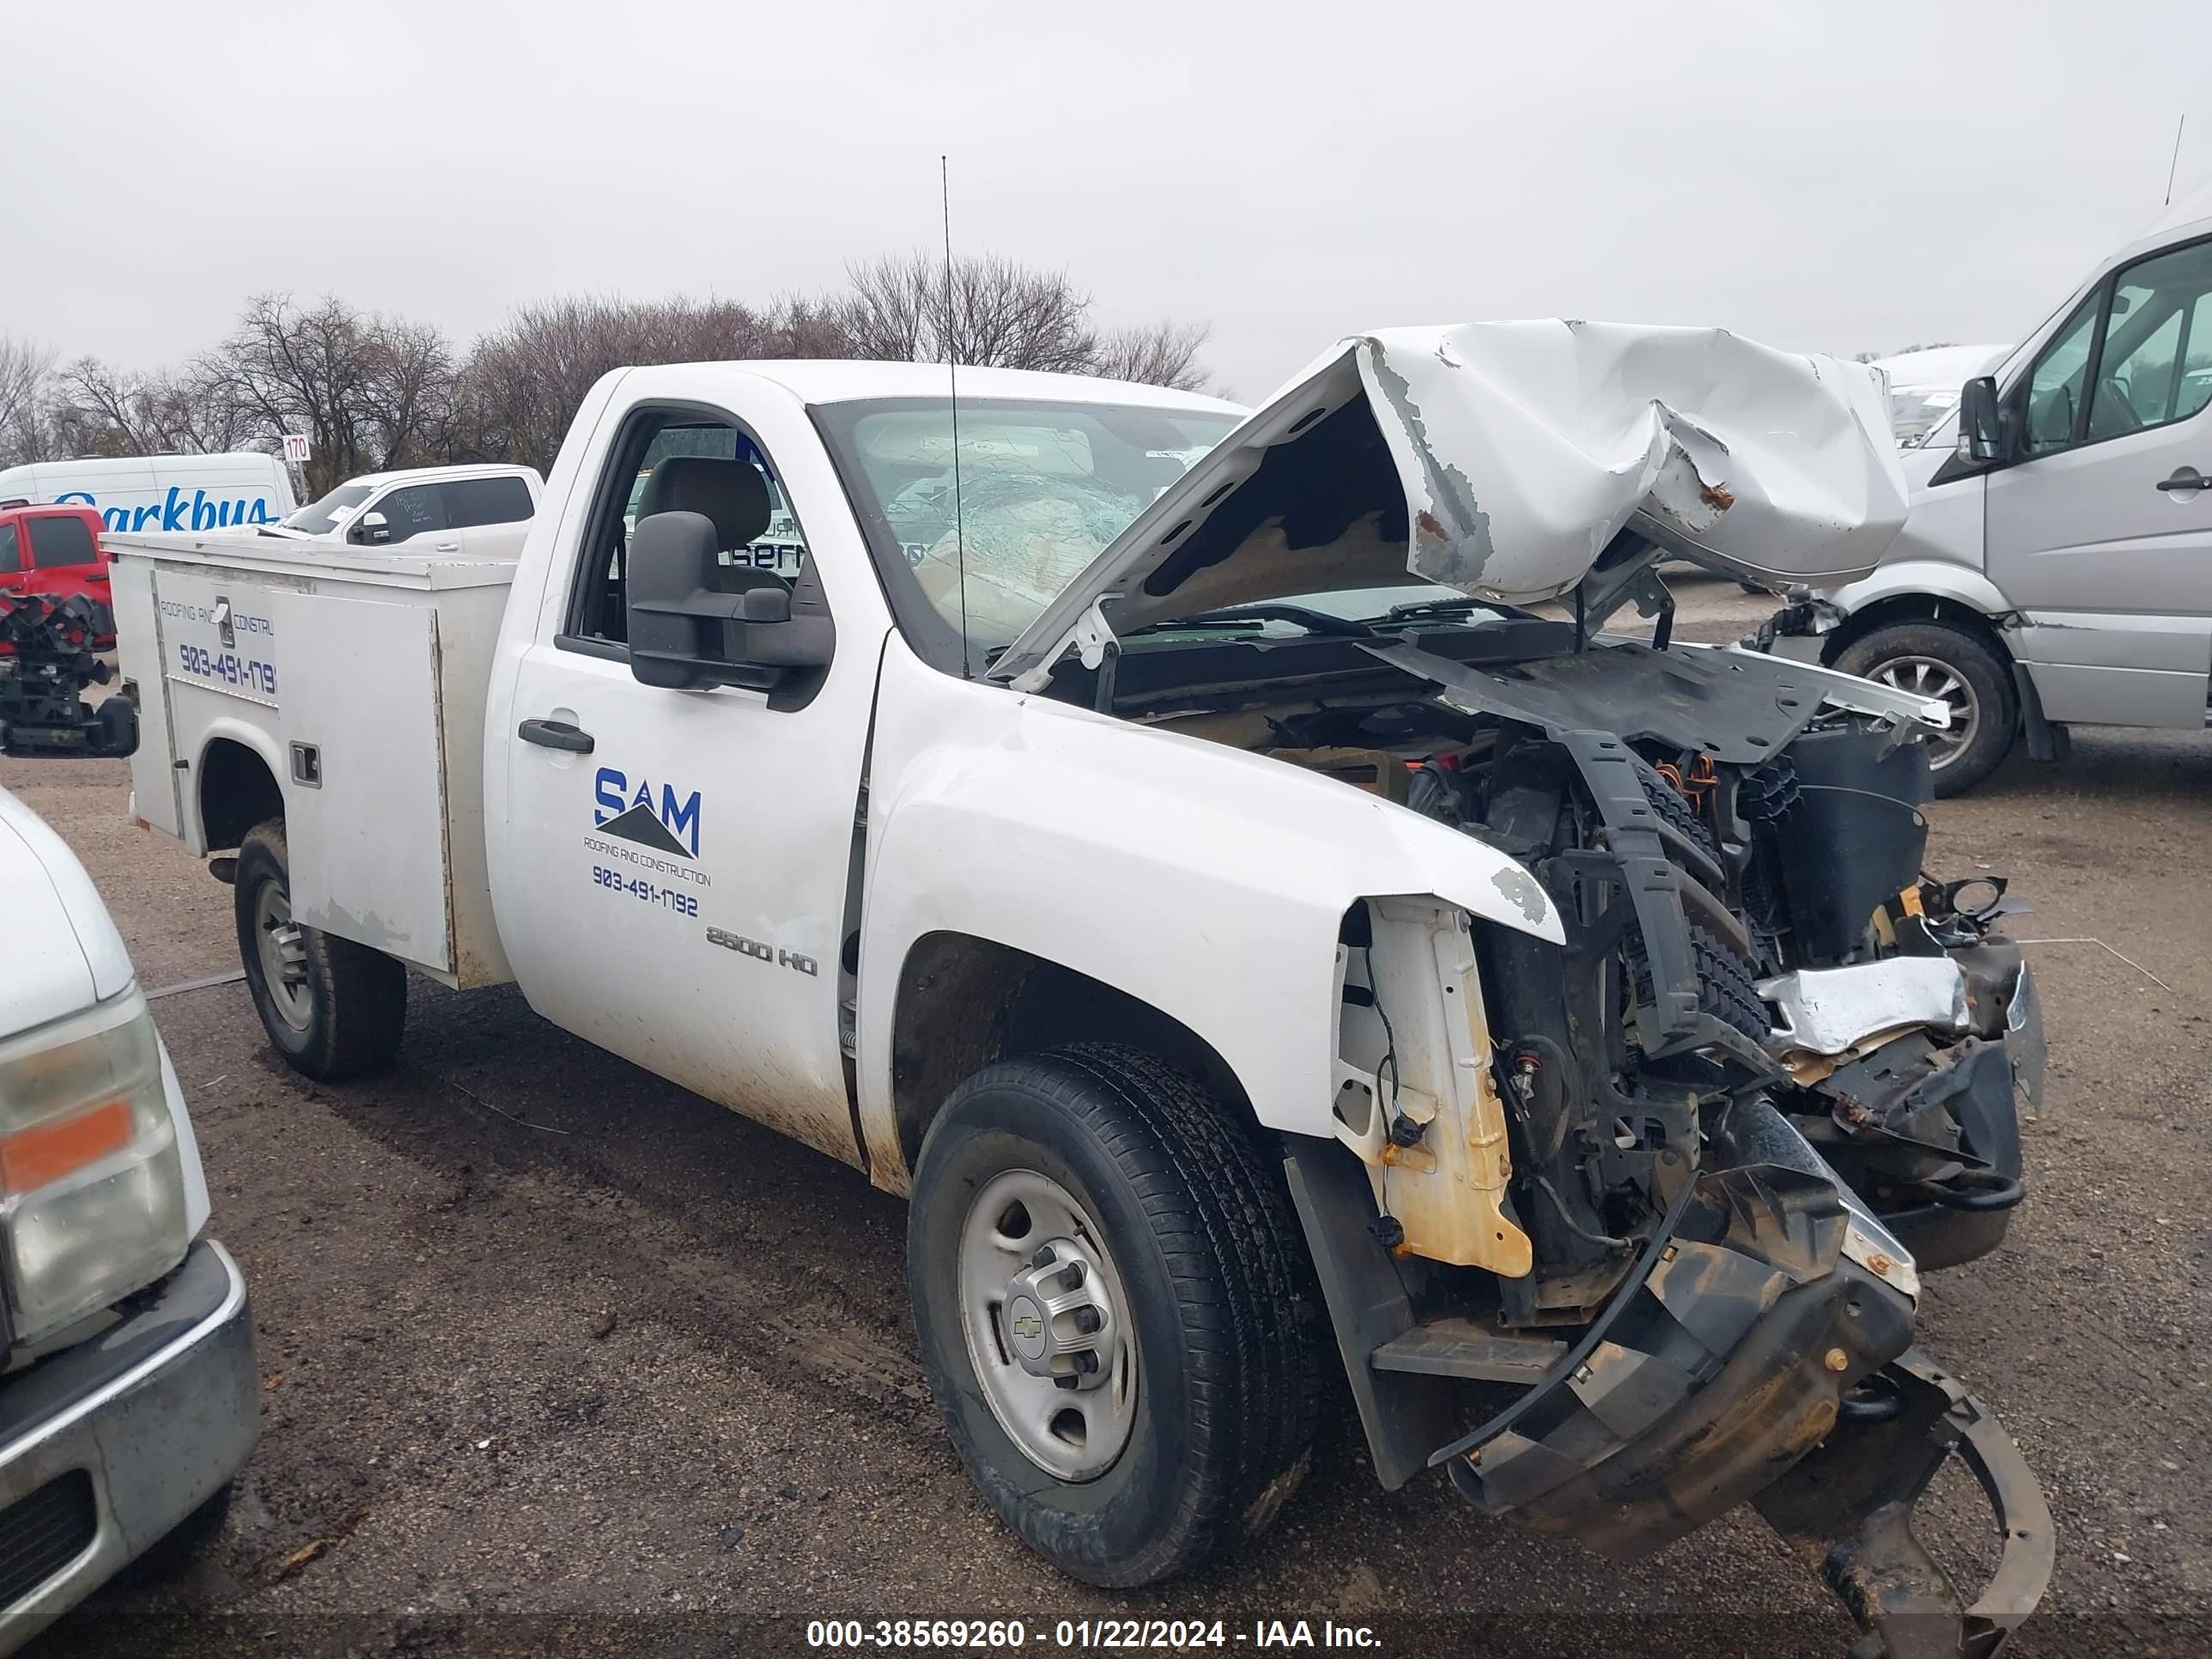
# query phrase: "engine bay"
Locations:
[[1751, 933]]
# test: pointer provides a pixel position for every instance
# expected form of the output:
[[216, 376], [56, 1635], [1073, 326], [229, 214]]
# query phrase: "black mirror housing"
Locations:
[[685, 634], [1981, 430]]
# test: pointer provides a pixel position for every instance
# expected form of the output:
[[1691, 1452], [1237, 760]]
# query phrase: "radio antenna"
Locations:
[[2176, 161], [952, 392]]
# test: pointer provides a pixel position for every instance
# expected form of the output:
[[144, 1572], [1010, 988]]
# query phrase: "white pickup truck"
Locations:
[[1246, 954]]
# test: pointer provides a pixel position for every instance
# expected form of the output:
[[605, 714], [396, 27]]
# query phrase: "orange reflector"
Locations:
[[33, 1157]]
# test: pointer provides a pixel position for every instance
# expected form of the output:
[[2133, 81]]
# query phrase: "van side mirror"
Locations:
[[1981, 433], [683, 633]]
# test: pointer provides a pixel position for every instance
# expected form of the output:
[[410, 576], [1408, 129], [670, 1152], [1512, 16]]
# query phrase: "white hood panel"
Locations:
[[1500, 459], [63, 953], [1524, 447]]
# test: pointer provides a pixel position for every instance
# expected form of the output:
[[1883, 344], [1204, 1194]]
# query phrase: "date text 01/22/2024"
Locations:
[[645, 891], [999, 1635]]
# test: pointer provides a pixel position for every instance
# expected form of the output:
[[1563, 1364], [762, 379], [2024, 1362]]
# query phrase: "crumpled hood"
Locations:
[[62, 951], [1500, 459]]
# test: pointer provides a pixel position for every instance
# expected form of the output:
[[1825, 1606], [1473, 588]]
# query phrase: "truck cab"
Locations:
[[1249, 961], [54, 550], [2056, 567]]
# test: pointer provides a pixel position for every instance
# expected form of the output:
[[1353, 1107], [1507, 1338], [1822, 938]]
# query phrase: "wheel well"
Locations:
[[965, 1001], [1913, 607], [237, 791]]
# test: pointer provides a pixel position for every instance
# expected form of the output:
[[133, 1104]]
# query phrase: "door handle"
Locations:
[[2185, 477], [555, 734]]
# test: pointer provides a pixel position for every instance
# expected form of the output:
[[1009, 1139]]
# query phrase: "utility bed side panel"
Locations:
[[154, 777], [365, 802], [468, 641]]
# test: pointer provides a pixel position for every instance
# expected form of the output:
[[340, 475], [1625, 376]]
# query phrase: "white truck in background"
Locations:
[[1246, 954], [480, 511]]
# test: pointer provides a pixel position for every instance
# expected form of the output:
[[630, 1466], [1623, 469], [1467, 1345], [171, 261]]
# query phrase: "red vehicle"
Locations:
[[56, 551]]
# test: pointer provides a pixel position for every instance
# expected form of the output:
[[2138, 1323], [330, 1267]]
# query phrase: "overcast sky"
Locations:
[[1834, 177]]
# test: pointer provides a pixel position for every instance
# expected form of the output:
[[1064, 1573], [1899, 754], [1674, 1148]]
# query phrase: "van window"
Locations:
[[2054, 386], [59, 541], [2157, 361], [471, 502], [10, 560]]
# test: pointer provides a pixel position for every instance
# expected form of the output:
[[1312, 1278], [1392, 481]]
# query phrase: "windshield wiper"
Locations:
[[1314, 621], [1453, 607]]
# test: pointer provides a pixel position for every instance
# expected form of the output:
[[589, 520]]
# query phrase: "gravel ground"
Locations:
[[555, 1354]]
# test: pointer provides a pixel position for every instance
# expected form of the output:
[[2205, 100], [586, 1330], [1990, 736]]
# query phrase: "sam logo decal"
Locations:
[[663, 824]]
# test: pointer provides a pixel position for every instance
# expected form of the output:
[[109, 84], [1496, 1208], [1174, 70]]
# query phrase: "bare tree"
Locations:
[[987, 310], [523, 384], [95, 409], [1164, 353], [370, 392], [24, 372]]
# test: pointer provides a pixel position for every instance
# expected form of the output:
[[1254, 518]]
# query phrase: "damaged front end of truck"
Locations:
[[1625, 1228]]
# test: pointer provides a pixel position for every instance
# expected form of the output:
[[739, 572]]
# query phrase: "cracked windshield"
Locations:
[[1043, 489]]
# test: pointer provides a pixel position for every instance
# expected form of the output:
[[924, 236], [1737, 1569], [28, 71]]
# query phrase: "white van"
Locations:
[[2056, 569], [160, 492]]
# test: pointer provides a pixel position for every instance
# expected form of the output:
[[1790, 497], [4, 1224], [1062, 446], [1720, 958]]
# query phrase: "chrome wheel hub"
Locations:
[[1931, 678], [283, 948], [1043, 1310]]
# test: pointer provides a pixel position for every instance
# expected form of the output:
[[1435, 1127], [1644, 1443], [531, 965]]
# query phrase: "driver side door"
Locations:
[[2101, 533]]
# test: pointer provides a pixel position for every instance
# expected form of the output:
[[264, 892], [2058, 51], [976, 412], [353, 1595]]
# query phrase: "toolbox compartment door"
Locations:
[[365, 800], [154, 774]]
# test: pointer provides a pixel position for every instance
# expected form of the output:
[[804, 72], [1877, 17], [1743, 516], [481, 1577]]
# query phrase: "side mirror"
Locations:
[[1981, 433], [683, 633], [371, 527]]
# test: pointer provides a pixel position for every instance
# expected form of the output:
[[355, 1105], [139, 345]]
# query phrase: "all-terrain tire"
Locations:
[[356, 998], [1977, 664], [1229, 1329]]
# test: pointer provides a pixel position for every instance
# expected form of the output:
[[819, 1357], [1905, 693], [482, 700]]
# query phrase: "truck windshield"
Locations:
[[320, 517], [1043, 488]]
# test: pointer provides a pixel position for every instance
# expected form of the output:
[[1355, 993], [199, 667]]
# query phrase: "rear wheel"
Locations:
[[333, 1008], [1115, 1309], [1951, 664]]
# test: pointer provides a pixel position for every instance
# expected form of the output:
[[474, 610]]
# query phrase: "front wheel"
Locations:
[[333, 1008], [1115, 1311], [1946, 662]]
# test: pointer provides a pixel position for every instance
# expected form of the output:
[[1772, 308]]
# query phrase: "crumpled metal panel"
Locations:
[[1524, 447], [1500, 459], [1831, 1011]]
